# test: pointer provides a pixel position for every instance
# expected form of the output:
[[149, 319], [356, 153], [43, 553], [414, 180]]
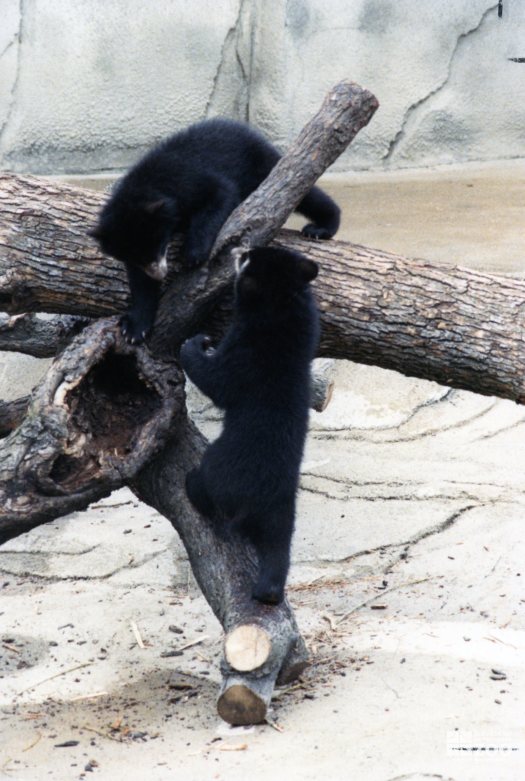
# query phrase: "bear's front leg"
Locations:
[[138, 321], [200, 362], [206, 221]]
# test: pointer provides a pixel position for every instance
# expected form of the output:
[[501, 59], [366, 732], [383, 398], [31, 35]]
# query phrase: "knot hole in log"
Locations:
[[108, 410], [103, 410]]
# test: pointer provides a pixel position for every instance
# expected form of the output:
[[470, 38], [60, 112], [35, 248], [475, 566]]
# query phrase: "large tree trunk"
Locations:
[[455, 326]]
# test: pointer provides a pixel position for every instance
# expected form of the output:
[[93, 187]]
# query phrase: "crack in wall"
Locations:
[[412, 109], [12, 42], [232, 39], [18, 38]]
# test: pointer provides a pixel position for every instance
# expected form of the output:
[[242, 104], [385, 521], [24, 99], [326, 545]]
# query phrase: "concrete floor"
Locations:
[[411, 502]]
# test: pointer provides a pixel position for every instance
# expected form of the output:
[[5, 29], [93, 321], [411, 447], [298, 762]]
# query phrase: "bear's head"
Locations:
[[137, 231], [270, 277]]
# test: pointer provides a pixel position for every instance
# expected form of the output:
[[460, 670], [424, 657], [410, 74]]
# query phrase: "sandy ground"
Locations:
[[407, 577]]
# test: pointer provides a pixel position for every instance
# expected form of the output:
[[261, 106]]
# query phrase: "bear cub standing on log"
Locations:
[[189, 183], [260, 375]]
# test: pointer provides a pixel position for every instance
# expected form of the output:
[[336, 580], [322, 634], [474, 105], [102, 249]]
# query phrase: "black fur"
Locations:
[[190, 183], [260, 375]]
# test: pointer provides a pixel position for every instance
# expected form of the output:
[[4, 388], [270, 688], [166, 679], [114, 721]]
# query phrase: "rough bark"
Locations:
[[12, 413], [40, 336], [456, 326], [46, 264]]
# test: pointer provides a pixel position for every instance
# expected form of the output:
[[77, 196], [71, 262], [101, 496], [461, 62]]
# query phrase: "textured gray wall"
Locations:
[[86, 86]]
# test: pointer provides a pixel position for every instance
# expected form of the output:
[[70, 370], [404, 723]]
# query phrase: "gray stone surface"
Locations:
[[411, 503], [88, 86]]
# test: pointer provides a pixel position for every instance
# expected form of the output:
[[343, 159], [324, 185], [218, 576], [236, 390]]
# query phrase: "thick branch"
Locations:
[[12, 414], [40, 336], [47, 262], [225, 577]]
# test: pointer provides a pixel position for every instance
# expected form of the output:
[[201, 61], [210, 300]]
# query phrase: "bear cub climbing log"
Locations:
[[189, 183], [260, 375]]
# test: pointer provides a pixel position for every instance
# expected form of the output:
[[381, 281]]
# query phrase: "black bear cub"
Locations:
[[260, 375], [189, 183]]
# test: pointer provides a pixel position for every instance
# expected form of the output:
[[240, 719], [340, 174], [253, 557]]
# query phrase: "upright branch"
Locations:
[[346, 109], [47, 264]]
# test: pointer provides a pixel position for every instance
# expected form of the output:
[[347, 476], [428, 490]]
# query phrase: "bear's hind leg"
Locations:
[[198, 495], [324, 213], [272, 540]]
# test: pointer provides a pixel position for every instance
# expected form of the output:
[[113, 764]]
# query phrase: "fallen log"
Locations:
[[450, 324]]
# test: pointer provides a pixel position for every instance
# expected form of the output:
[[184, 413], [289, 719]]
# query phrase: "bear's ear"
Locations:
[[248, 286], [308, 269]]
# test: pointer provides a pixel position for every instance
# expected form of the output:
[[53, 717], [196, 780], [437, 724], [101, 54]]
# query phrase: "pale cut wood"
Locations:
[[322, 387], [247, 647]]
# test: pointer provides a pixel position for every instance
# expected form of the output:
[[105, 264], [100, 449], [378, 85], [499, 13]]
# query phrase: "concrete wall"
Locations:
[[87, 86]]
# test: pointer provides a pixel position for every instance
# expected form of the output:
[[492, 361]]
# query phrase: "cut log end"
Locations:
[[322, 383], [241, 705], [247, 647]]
